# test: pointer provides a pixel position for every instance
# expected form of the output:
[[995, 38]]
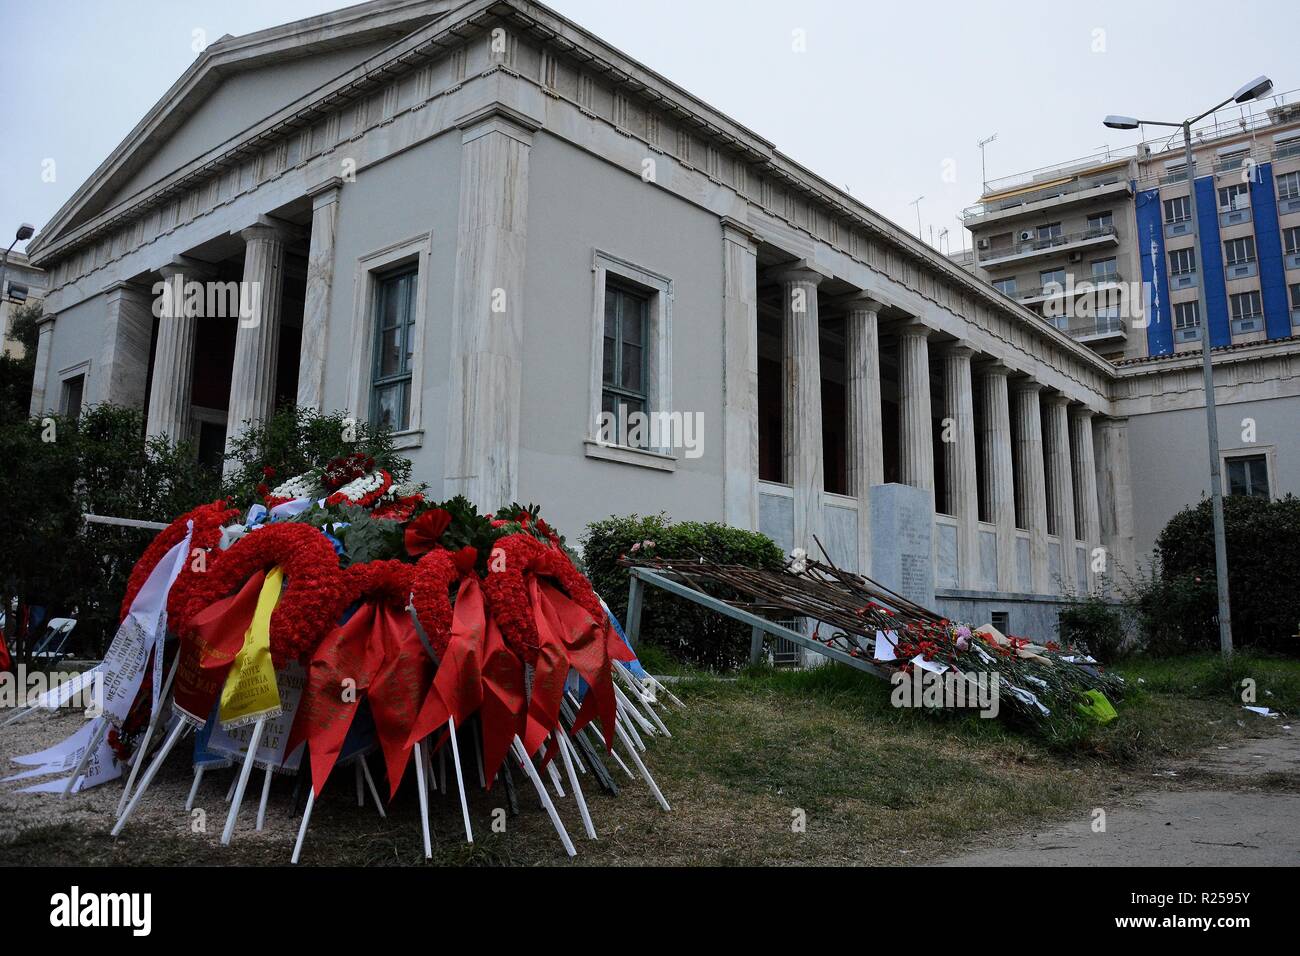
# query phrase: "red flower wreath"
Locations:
[[436, 573], [387, 580], [207, 519], [369, 498], [314, 589], [506, 592]]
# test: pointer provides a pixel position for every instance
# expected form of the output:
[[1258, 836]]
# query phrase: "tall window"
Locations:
[[1049, 232], [390, 392], [1006, 286], [1288, 184], [624, 368], [1182, 261], [73, 391], [1178, 209], [1248, 475], [1051, 277], [1236, 196], [1246, 305], [1291, 239], [1295, 295], [1240, 251]]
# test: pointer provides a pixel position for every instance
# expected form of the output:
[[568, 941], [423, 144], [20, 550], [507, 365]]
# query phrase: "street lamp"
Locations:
[[25, 232], [1253, 90]]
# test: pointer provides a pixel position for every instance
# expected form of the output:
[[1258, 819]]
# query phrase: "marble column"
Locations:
[[257, 339], [1085, 486], [487, 322], [916, 429], [170, 388], [739, 375], [865, 452], [320, 283], [122, 370], [44, 342], [999, 484], [959, 460], [1031, 492], [1115, 499], [801, 409], [1060, 482]]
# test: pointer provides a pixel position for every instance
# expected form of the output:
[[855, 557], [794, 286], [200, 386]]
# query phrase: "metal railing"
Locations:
[[985, 207], [1048, 243], [1107, 326]]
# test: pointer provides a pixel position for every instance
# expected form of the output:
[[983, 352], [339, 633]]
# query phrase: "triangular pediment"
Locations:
[[233, 85]]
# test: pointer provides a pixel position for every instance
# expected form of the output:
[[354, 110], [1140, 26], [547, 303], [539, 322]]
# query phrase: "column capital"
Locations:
[[959, 348], [324, 193], [991, 366], [860, 301], [741, 233], [913, 328], [187, 267], [801, 271], [497, 117], [46, 322], [1081, 411], [127, 288], [265, 228], [1054, 399], [1025, 385]]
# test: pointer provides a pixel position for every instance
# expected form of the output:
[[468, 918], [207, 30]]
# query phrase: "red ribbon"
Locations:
[[328, 705], [502, 710], [457, 687], [399, 684], [208, 651], [423, 533], [551, 669]]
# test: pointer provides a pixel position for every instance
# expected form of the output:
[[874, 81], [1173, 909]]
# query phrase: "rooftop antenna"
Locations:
[[944, 245], [917, 203], [984, 172]]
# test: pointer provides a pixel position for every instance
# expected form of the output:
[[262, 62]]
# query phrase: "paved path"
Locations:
[[1193, 827]]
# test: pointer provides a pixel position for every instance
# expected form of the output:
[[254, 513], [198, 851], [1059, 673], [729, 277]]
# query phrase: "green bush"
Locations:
[[293, 440], [1094, 624], [1178, 605], [57, 469], [685, 630]]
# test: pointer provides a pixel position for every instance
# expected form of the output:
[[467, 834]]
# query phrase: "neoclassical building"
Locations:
[[479, 224]]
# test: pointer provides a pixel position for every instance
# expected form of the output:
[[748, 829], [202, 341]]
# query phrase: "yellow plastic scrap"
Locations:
[[1098, 707]]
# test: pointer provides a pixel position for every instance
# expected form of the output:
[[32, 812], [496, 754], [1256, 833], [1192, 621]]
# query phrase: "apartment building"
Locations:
[[23, 283], [1104, 247]]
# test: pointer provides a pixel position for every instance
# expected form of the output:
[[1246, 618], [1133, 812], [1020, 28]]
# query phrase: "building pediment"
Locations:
[[232, 85]]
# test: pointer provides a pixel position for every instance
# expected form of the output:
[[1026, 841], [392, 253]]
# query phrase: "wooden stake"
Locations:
[[654, 787], [374, 791], [527, 764], [261, 806], [573, 782], [96, 736], [198, 778]]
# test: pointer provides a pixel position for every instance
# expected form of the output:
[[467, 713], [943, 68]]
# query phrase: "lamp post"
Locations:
[[25, 232], [1251, 91]]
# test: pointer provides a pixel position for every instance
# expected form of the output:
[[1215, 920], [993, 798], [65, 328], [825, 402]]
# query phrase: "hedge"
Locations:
[[685, 630]]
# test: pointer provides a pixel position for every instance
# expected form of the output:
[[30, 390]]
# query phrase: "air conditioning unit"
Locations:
[[1027, 235], [1076, 257], [983, 244]]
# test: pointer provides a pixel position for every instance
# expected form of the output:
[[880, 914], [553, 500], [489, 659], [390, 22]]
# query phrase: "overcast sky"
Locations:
[[886, 99]]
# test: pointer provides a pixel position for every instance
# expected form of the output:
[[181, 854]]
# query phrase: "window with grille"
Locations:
[[390, 382], [1178, 209], [1288, 184], [624, 372], [1187, 315], [1240, 251], [1182, 261], [1246, 305], [1236, 196]]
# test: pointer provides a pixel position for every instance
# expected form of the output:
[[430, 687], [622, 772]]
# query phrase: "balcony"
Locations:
[[1182, 280], [1247, 324], [1055, 290], [1033, 248], [1102, 330], [1234, 217], [1191, 333], [1052, 195], [1180, 227], [1242, 270]]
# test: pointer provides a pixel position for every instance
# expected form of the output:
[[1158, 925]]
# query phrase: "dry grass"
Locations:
[[875, 786]]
